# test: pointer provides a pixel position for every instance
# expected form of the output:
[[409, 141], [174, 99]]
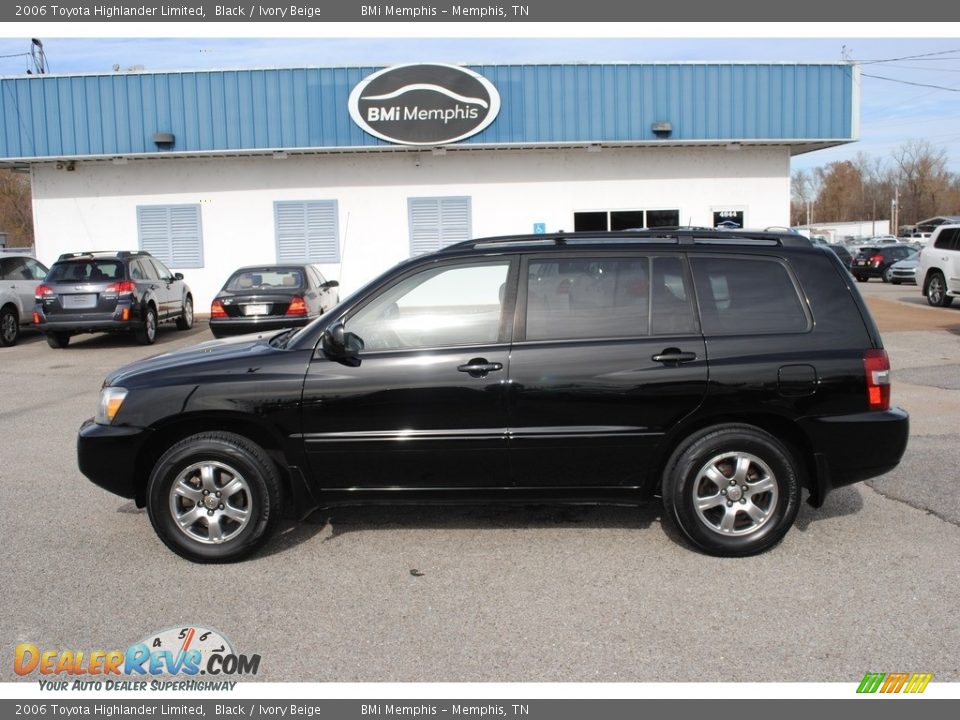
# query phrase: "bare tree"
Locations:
[[923, 179], [16, 210]]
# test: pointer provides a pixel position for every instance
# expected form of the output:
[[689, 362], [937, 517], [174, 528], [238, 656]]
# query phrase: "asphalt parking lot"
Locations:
[[866, 583]]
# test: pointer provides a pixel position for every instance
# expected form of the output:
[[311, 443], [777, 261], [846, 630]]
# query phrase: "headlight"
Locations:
[[111, 398]]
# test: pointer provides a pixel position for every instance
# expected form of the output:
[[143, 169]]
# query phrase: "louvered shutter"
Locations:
[[171, 233], [437, 222], [307, 231]]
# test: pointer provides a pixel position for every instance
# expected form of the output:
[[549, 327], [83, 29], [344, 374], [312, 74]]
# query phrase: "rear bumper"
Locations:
[[87, 322], [245, 326], [107, 455], [852, 448]]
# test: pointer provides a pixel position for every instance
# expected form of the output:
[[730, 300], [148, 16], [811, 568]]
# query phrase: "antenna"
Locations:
[[38, 56]]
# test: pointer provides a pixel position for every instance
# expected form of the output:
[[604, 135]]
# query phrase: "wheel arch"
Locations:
[[782, 428], [172, 430]]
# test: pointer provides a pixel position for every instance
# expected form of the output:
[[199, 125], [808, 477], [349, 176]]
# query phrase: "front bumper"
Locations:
[[851, 448], [107, 455]]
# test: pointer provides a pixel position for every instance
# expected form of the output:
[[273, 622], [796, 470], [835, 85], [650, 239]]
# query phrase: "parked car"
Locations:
[[125, 291], [905, 271], [270, 297], [535, 368], [19, 275], [940, 266], [875, 262]]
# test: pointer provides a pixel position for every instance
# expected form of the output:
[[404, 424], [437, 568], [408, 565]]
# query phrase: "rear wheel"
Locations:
[[185, 321], [58, 339], [146, 334], [214, 497], [733, 490], [861, 278], [9, 326], [937, 291]]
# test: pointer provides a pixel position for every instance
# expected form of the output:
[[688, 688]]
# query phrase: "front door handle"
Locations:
[[674, 356], [479, 367]]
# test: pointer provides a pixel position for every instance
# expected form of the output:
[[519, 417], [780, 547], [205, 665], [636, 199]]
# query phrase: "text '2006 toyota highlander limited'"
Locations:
[[722, 370]]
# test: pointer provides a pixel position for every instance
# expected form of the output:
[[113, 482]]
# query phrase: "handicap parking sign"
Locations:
[[539, 228]]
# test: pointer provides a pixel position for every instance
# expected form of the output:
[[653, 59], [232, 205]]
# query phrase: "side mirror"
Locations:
[[341, 346], [330, 284], [178, 276]]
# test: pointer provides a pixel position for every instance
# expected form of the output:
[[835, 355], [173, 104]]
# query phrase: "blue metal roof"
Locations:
[[231, 111]]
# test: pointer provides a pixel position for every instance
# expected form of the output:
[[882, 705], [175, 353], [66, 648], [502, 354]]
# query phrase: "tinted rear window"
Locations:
[[80, 271], [747, 295], [266, 279]]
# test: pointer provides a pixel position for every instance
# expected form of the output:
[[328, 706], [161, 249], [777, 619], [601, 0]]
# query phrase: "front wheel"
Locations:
[[887, 275], [733, 490], [9, 326], [214, 497], [937, 291]]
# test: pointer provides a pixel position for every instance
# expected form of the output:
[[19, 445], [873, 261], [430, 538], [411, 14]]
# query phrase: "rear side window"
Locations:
[[747, 295], [573, 299], [86, 271], [947, 239]]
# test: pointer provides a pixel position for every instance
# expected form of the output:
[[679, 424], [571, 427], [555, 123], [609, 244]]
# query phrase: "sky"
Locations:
[[893, 111]]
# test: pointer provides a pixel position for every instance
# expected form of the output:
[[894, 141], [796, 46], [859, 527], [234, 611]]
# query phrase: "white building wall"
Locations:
[[93, 207]]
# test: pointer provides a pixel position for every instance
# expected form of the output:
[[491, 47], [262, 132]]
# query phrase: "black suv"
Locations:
[[721, 370], [110, 291], [877, 262]]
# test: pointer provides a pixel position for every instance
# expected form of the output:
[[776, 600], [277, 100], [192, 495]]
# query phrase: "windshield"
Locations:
[[86, 271]]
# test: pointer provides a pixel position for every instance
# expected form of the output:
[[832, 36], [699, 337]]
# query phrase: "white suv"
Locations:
[[940, 266], [19, 277]]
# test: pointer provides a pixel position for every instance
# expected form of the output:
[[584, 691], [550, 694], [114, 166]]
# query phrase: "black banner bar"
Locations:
[[407, 11]]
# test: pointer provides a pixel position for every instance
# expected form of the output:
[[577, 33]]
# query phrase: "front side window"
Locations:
[[439, 307], [747, 295], [171, 233]]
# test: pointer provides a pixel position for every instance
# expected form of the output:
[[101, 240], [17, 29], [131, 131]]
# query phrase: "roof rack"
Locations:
[[102, 253], [668, 235]]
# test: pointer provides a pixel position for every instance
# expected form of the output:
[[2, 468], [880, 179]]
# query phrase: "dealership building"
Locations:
[[357, 168]]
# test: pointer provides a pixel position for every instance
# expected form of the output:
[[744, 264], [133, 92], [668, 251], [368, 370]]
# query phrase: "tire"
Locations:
[[730, 521], [185, 321], [861, 278], [937, 291], [146, 333], [887, 275], [186, 478], [58, 339], [9, 326]]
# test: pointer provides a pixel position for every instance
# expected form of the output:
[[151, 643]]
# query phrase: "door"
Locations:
[[166, 288], [425, 407], [607, 358]]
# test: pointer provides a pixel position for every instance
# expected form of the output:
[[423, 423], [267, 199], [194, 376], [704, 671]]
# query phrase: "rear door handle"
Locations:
[[479, 367], [674, 356]]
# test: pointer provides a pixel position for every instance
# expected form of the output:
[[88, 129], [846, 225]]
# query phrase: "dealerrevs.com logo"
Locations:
[[424, 104], [171, 659]]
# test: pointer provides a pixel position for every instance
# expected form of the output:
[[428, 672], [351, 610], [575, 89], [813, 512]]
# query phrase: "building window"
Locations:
[[436, 222], [171, 233], [599, 220], [307, 231]]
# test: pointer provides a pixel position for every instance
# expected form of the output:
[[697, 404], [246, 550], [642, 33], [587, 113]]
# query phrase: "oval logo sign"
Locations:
[[424, 104]]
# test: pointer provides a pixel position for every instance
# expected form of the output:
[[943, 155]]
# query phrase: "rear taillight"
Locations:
[[297, 306], [216, 310], [43, 292], [877, 259], [877, 366], [124, 287]]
